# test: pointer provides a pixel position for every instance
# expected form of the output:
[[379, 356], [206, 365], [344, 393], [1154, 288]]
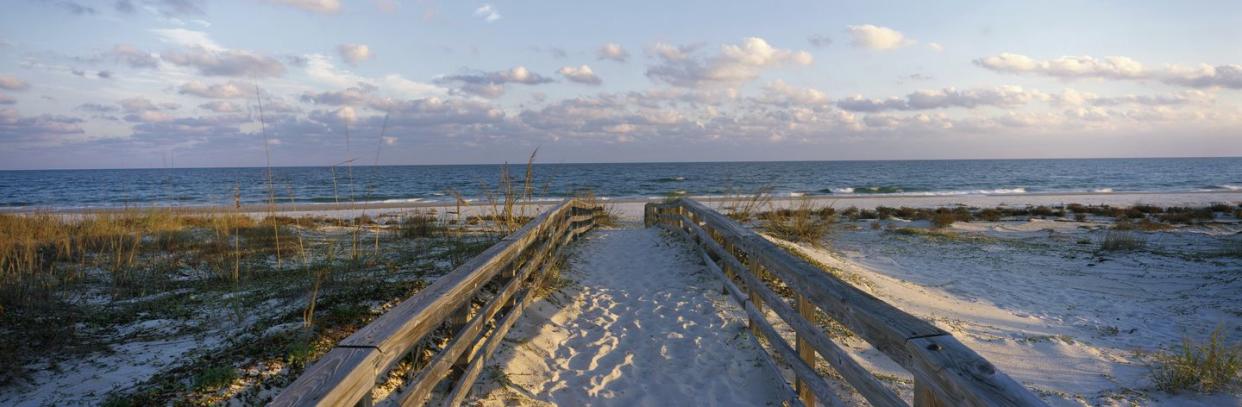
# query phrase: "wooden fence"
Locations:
[[946, 373], [476, 320]]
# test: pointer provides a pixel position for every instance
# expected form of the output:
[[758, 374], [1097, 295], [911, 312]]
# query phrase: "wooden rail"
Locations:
[[455, 303], [946, 373]]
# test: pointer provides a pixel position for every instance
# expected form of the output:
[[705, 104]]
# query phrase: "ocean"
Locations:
[[55, 189]]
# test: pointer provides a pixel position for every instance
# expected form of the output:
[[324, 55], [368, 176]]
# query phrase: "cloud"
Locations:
[[354, 53], [819, 40], [876, 37], [42, 129], [363, 94], [581, 74], [175, 7], [1116, 68], [141, 104], [73, 7], [736, 64], [1204, 76], [96, 108], [783, 94], [226, 90], [7, 100], [187, 38], [492, 84], [10, 82], [1000, 96], [1066, 66], [227, 62], [134, 57], [612, 51], [935, 46], [1075, 98], [220, 106], [487, 12], [317, 6], [124, 6]]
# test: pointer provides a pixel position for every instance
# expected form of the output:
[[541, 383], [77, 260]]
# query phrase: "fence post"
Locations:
[[805, 351], [924, 397]]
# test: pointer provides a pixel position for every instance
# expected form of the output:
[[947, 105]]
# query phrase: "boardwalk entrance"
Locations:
[[645, 326], [643, 323]]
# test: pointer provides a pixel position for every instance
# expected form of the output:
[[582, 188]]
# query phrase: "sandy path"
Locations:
[[643, 324]]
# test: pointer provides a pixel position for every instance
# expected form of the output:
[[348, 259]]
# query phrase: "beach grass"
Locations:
[[1210, 366]]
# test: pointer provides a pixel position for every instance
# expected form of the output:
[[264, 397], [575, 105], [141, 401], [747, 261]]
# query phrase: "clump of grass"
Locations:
[[805, 222], [417, 226], [942, 220], [742, 207], [1117, 240], [1208, 367], [215, 378], [607, 216]]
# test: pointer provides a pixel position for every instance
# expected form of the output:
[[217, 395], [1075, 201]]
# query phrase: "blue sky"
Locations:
[[154, 83]]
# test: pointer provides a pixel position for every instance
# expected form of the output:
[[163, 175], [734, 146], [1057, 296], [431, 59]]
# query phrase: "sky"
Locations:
[[213, 83]]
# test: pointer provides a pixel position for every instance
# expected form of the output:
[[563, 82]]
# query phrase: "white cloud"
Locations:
[[220, 106], [492, 84], [354, 53], [187, 38], [736, 63], [935, 46], [613, 51], [876, 37], [487, 12], [226, 90], [1000, 96], [1116, 67], [10, 82], [581, 74], [1066, 66], [318, 6]]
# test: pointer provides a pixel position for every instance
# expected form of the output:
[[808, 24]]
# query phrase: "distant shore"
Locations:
[[633, 206]]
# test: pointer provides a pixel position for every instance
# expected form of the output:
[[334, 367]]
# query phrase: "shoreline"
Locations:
[[1188, 198]]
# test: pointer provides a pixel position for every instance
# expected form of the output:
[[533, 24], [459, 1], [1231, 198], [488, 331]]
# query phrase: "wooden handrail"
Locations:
[[347, 374], [946, 372]]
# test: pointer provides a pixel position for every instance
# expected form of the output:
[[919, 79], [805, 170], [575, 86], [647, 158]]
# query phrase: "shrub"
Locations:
[[1206, 368], [1117, 240], [420, 226], [990, 215], [214, 378], [942, 220], [803, 223]]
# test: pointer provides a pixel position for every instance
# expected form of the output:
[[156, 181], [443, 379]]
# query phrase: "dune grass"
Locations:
[[1206, 367], [804, 222]]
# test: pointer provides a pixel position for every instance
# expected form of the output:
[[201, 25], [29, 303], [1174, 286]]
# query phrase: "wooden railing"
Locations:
[[476, 322], [946, 373]]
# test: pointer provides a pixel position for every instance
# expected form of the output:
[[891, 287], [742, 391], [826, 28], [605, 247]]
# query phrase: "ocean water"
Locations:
[[221, 186]]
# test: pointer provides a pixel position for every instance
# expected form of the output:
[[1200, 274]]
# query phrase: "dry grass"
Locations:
[[1116, 240], [1207, 367], [742, 207], [805, 222]]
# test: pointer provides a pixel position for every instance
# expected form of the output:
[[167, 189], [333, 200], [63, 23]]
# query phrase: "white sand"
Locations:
[[1075, 326], [643, 324]]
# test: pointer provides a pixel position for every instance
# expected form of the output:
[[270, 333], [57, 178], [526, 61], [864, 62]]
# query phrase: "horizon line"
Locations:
[[633, 162]]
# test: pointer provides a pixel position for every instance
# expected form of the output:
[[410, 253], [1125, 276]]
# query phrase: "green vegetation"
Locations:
[[1116, 240], [1208, 367], [804, 222]]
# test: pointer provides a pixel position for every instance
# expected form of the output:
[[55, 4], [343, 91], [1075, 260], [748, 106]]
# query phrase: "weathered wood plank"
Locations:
[[336, 375], [963, 378], [957, 376], [857, 376], [462, 387], [426, 379], [340, 379]]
